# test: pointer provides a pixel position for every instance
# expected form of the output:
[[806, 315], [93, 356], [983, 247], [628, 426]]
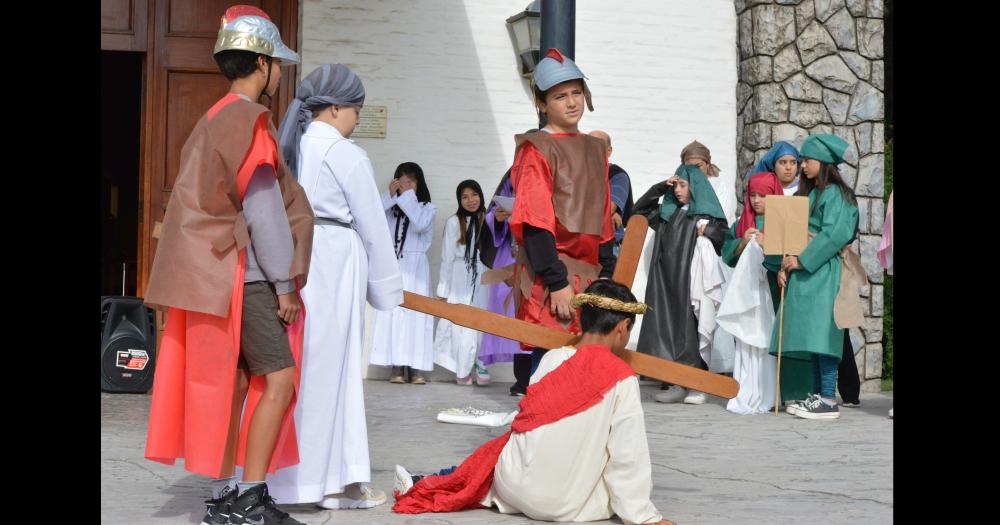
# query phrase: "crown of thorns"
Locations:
[[608, 303]]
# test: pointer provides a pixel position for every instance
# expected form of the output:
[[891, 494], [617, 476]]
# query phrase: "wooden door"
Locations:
[[123, 25], [183, 84]]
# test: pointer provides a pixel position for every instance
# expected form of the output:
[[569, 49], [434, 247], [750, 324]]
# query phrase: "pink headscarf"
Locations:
[[765, 183]]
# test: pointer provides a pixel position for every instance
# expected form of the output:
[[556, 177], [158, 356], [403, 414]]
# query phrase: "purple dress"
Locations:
[[495, 349]]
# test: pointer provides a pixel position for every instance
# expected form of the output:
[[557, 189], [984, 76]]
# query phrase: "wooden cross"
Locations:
[[542, 337]]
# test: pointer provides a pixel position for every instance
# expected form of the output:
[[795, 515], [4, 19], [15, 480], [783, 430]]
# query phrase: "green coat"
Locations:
[[809, 328], [796, 372]]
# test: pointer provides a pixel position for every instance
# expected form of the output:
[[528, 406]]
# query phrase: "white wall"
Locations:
[[662, 74]]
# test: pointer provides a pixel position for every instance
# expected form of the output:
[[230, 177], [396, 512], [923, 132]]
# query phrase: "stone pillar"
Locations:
[[816, 66]]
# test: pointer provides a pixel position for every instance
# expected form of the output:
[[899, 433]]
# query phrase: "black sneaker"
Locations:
[[851, 404], [517, 390], [792, 405], [815, 408], [256, 507], [217, 512]]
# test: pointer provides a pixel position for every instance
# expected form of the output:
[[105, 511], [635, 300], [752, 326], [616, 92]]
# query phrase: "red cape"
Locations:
[[196, 367], [576, 385]]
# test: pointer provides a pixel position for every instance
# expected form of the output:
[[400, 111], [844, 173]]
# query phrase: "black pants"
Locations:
[[522, 369], [847, 374], [526, 364]]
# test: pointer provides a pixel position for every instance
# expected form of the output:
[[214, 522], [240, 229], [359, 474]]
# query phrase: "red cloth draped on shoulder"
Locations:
[[532, 177], [577, 384]]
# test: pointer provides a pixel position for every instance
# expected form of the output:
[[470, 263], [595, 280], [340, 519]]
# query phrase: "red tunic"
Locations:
[[532, 180], [196, 368]]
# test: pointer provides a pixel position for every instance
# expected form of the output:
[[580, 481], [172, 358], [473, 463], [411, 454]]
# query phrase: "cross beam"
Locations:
[[542, 337]]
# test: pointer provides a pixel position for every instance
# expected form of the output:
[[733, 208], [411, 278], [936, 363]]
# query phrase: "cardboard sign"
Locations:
[[786, 224]]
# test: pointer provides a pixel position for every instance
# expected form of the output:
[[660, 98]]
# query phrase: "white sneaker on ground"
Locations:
[[674, 394], [792, 406], [403, 481], [695, 397], [890, 413], [355, 496]]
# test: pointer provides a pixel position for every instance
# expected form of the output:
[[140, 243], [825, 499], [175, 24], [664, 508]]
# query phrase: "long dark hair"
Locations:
[[470, 225], [412, 170], [828, 176], [464, 214]]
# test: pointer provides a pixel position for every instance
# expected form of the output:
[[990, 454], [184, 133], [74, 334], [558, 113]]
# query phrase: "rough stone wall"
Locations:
[[816, 66]]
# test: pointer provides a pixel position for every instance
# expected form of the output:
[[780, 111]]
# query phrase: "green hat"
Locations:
[[824, 148], [703, 198]]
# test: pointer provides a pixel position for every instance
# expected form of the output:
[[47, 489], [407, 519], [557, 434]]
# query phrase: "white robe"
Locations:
[[455, 347], [747, 312], [584, 467], [347, 266], [403, 337], [706, 294], [725, 190], [723, 343]]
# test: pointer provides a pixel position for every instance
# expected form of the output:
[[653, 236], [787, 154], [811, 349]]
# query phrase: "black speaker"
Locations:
[[128, 345]]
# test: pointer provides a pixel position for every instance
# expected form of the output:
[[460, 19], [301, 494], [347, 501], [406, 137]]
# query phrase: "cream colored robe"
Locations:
[[585, 467]]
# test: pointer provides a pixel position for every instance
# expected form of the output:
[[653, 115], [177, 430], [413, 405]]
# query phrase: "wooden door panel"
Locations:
[[183, 84], [116, 16], [201, 17], [123, 25], [199, 91]]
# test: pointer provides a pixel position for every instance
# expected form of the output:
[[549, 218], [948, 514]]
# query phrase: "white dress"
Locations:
[[403, 337], [724, 345], [706, 295], [747, 312], [725, 190], [584, 467], [348, 265], [456, 347]]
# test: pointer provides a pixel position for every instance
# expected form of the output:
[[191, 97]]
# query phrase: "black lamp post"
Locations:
[[559, 27], [543, 25]]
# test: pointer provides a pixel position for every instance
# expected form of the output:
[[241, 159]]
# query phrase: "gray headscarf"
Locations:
[[327, 84]]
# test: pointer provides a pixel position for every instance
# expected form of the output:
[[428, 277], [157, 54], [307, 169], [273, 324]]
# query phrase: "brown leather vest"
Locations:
[[579, 178], [204, 230]]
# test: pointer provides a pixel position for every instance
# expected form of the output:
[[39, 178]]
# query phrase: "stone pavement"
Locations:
[[709, 466]]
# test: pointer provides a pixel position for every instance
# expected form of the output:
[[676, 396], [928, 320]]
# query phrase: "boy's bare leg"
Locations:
[[266, 422], [240, 386]]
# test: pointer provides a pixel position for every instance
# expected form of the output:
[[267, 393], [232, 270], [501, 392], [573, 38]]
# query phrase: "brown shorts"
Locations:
[[263, 341]]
